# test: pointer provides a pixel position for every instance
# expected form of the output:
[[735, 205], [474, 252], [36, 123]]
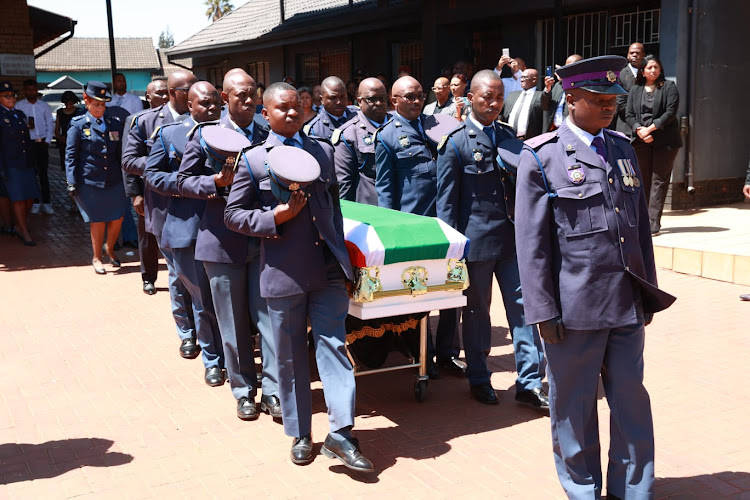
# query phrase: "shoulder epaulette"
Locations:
[[445, 138], [76, 118], [199, 125], [306, 128], [616, 134], [537, 141], [243, 151], [161, 127], [336, 136]]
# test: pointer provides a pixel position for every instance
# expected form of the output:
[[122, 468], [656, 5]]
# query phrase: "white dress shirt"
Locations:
[[521, 110], [44, 123], [512, 84], [130, 102]]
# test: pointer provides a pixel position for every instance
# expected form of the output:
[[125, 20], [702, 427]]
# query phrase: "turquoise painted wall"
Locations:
[[137, 80]]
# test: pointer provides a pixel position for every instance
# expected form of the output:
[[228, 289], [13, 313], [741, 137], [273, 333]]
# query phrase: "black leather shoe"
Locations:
[[432, 370], [536, 398], [655, 227], [348, 452], [271, 405], [484, 393], [149, 288], [454, 366], [302, 450], [745, 296], [214, 376], [115, 262], [246, 409], [189, 349]]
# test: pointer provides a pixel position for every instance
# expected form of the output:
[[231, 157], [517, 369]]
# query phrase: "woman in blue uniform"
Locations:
[[18, 186], [92, 169]]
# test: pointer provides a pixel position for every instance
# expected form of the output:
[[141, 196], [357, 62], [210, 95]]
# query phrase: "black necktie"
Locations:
[[289, 142], [98, 121], [520, 110], [600, 148]]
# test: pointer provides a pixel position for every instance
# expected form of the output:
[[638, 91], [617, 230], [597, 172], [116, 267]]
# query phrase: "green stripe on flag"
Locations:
[[405, 236]]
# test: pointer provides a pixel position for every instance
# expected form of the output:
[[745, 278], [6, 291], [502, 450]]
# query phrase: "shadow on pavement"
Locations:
[[26, 461], [693, 229], [720, 485]]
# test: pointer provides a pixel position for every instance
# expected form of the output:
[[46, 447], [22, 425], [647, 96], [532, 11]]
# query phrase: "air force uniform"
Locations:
[[325, 123], [232, 263], [586, 259], [476, 197], [354, 156], [17, 177], [179, 232], [304, 262]]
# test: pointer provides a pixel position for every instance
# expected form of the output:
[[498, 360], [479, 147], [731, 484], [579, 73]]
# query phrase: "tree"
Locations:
[[166, 39], [218, 8]]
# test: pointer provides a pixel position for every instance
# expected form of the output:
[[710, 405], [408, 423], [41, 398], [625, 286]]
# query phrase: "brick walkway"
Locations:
[[95, 401]]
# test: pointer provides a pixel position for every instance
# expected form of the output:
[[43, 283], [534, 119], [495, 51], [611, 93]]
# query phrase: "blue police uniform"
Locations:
[[304, 262], [406, 180], [17, 177], [324, 124], [128, 231], [586, 258], [179, 233], [92, 165], [232, 263], [354, 156], [475, 196]]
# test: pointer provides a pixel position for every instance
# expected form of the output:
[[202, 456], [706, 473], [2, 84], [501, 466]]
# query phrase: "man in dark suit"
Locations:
[[304, 264], [558, 109], [475, 196], [627, 79], [524, 110], [334, 112], [151, 207], [182, 220], [231, 259], [589, 281]]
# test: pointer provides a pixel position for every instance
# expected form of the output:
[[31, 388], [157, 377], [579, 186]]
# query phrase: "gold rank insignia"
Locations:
[[404, 141], [611, 76], [87, 132]]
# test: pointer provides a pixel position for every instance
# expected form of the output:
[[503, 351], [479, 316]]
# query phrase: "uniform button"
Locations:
[[617, 210], [313, 217], [479, 170], [276, 237], [610, 180], [622, 240], [627, 268], [580, 195], [317, 243]]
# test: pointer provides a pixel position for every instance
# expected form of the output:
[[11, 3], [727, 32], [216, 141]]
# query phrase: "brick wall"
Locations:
[[16, 37], [707, 193]]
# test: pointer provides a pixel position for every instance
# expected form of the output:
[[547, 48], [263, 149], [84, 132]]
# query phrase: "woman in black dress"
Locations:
[[64, 115], [651, 113]]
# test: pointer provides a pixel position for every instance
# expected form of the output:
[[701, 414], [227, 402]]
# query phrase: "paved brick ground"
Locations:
[[95, 401]]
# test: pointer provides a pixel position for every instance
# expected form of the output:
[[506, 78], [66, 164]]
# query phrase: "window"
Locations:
[[260, 71], [410, 55], [314, 67]]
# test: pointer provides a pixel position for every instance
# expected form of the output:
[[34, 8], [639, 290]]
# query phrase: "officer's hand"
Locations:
[[288, 211], [552, 330], [138, 204], [72, 190], [226, 176], [647, 318], [746, 191], [548, 83]]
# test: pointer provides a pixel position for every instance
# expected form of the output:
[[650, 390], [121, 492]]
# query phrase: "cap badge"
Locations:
[[611, 76], [293, 186], [103, 91]]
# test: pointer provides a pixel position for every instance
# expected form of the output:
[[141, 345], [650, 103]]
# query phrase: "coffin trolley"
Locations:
[[404, 264]]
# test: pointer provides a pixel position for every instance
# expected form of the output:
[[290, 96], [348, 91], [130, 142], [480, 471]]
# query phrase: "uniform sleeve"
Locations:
[[385, 175], [630, 114], [449, 171], [158, 175], [240, 214], [673, 102], [534, 242], [644, 229], [72, 148], [194, 179], [347, 168]]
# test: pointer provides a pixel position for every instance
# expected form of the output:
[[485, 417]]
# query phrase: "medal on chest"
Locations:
[[627, 180], [114, 135], [576, 174]]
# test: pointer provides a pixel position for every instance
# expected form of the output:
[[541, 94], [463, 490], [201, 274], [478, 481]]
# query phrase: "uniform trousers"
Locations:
[[148, 251], [326, 308], [656, 164], [477, 333], [574, 367], [235, 289], [41, 167], [179, 297], [129, 230], [193, 276]]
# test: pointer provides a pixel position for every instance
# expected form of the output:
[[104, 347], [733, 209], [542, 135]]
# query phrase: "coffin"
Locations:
[[403, 263]]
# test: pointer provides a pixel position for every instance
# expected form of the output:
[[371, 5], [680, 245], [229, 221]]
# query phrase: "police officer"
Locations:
[[354, 144], [335, 111], [151, 207], [406, 180], [304, 267], [231, 259], [92, 170], [475, 196], [183, 215], [18, 186], [589, 282]]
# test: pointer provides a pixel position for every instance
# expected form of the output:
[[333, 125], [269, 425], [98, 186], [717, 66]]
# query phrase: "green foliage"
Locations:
[[218, 8]]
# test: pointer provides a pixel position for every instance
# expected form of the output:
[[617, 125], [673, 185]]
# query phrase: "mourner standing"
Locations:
[[41, 126], [92, 169], [475, 196], [589, 282], [231, 259], [334, 112], [304, 267]]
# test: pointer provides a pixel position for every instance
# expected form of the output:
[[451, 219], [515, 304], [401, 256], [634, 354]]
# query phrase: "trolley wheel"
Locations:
[[420, 390]]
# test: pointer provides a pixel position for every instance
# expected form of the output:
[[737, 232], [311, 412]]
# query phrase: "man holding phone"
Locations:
[[524, 110], [41, 128]]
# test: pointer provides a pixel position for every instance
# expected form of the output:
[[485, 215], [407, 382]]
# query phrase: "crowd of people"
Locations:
[[556, 206]]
